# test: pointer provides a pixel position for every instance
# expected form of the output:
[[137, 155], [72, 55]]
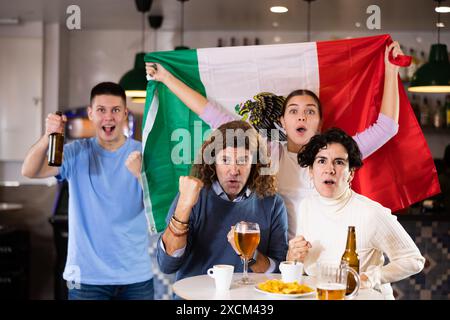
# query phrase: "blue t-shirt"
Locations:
[[108, 232]]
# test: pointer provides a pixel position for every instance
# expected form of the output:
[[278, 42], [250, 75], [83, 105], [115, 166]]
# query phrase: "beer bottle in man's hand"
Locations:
[[351, 257], [55, 147]]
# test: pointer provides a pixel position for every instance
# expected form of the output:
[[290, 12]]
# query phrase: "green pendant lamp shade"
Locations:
[[134, 82], [433, 76]]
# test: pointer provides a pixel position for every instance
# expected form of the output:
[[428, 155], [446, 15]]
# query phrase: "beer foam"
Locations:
[[331, 286]]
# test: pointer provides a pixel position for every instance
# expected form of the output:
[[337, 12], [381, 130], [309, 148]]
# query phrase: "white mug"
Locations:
[[291, 271], [222, 274]]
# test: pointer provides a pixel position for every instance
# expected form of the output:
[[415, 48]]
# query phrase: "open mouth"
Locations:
[[329, 182], [108, 129], [301, 129]]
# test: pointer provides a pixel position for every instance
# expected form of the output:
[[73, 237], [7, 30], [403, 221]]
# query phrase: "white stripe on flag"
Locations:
[[151, 226], [233, 75], [147, 128], [150, 120]]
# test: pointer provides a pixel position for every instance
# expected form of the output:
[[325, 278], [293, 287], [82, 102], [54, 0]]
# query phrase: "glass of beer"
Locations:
[[246, 238], [332, 281]]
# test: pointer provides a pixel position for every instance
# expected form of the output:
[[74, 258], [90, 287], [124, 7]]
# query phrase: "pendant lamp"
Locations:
[[433, 76], [134, 82]]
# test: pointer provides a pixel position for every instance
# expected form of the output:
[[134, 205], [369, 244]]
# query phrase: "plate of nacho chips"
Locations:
[[279, 288]]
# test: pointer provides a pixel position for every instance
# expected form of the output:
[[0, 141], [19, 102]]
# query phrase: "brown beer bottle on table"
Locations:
[[55, 147], [351, 257]]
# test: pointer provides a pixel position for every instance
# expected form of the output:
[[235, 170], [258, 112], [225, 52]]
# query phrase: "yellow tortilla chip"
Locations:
[[278, 286]]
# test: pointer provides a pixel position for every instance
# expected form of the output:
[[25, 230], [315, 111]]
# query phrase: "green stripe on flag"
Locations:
[[164, 113]]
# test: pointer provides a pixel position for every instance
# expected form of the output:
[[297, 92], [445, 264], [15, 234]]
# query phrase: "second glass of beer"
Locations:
[[246, 238], [332, 280]]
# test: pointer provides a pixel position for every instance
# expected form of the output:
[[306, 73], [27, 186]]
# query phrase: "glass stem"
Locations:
[[245, 277]]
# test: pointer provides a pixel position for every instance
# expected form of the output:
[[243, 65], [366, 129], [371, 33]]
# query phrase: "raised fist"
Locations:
[[190, 188], [134, 163]]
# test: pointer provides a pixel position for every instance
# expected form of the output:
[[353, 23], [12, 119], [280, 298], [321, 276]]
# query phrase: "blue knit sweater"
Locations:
[[209, 223]]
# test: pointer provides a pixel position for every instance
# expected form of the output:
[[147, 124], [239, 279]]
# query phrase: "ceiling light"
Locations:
[[138, 100], [433, 76], [442, 9], [278, 9], [134, 82], [6, 21]]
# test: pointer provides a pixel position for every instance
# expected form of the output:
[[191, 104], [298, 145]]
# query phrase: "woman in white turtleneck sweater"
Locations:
[[332, 158]]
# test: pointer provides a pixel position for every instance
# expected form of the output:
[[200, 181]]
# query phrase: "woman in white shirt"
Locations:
[[332, 158]]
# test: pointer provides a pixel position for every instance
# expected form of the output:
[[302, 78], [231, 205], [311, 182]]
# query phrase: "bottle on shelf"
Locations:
[[55, 147], [233, 41], [415, 107], [351, 256], [220, 42], [443, 115], [447, 110], [424, 113], [438, 117]]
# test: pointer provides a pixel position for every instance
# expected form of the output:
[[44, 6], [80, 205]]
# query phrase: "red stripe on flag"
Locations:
[[351, 71]]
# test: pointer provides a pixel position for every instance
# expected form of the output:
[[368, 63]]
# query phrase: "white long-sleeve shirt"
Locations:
[[324, 223]]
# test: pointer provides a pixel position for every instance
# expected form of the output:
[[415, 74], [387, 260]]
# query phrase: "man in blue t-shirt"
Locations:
[[232, 183], [107, 254]]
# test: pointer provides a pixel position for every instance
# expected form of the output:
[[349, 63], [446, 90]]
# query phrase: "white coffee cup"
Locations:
[[291, 271], [222, 274]]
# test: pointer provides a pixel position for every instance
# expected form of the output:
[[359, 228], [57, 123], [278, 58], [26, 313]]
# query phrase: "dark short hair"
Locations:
[[308, 154], [302, 92], [108, 88]]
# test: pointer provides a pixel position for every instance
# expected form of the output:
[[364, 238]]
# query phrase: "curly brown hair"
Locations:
[[244, 135]]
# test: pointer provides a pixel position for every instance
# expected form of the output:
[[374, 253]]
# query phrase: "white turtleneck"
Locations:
[[294, 184], [324, 223]]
